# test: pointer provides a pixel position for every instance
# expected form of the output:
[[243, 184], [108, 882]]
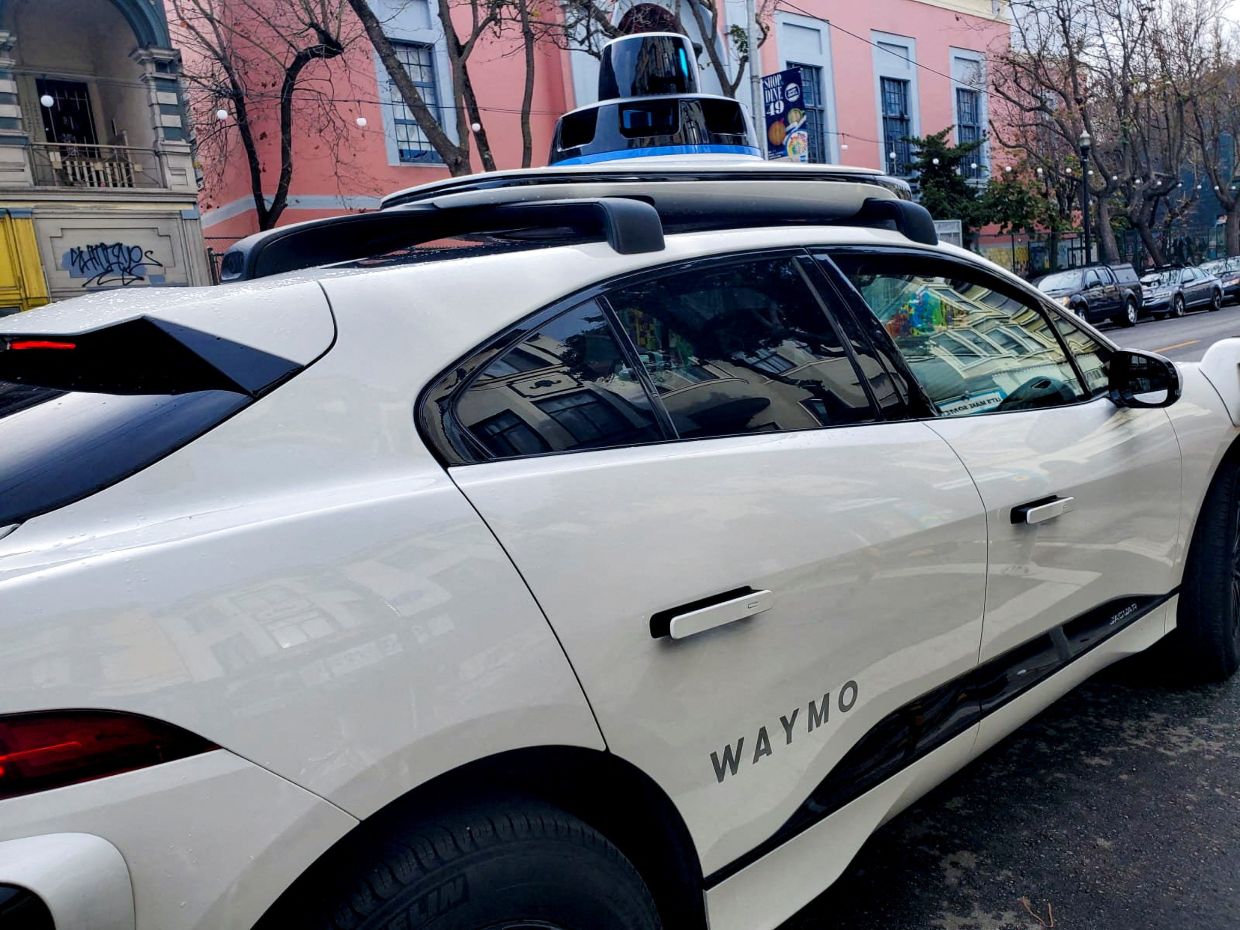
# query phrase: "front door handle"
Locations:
[[709, 613], [1039, 511]]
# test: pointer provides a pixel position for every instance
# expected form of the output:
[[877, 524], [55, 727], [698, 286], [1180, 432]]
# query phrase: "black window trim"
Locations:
[[448, 440], [1034, 299]]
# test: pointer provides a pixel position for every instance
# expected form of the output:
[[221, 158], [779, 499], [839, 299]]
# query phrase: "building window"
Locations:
[[969, 129], [411, 142], [815, 112], [896, 125]]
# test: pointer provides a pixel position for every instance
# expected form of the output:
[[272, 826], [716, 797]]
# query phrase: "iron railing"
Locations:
[[98, 167]]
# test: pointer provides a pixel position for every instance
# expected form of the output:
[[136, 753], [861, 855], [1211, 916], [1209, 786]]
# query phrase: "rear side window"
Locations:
[[567, 387], [744, 348], [80, 413]]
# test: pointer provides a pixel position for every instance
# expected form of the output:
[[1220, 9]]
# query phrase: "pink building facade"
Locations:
[[876, 74]]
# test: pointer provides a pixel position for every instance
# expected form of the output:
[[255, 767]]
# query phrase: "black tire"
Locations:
[[1177, 305], [1216, 301], [517, 865], [1207, 635], [1129, 316]]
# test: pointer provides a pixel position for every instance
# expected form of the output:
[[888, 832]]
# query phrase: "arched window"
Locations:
[[649, 17]]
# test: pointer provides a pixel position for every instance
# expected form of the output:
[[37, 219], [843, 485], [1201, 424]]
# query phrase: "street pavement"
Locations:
[[1183, 340], [1116, 809]]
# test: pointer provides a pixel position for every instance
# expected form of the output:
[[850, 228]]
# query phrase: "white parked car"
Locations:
[[554, 559]]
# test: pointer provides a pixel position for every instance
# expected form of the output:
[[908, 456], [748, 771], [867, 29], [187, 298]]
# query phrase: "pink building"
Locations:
[[876, 73]]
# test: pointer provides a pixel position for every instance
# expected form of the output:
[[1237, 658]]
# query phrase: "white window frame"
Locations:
[[967, 59], [831, 138], [402, 23], [888, 65]]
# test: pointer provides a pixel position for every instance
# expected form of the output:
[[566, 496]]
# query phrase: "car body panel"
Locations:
[[340, 638], [288, 319], [870, 538], [301, 586], [209, 841], [767, 893], [1105, 458]]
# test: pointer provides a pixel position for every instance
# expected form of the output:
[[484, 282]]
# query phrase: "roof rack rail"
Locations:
[[628, 226]]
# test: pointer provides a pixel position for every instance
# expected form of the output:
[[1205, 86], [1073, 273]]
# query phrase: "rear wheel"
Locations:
[[519, 865], [1207, 635], [1216, 301]]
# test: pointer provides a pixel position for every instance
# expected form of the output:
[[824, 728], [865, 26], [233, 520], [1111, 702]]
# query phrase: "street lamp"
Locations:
[[1084, 142]]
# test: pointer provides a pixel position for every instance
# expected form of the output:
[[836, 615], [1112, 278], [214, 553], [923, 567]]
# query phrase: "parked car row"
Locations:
[[1097, 293]]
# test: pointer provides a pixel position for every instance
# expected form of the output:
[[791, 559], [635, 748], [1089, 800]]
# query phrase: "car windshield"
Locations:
[[1064, 279], [1214, 267], [1152, 280]]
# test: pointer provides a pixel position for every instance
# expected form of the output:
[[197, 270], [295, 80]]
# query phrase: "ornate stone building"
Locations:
[[97, 181]]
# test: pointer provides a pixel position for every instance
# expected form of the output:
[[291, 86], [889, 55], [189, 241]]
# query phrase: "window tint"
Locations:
[[1090, 354], [567, 387], [741, 349], [974, 349], [1093, 278]]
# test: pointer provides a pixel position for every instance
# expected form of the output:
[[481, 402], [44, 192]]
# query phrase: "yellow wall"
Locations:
[[22, 283]]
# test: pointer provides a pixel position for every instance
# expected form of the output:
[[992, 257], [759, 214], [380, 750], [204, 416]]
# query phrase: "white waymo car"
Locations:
[[595, 548]]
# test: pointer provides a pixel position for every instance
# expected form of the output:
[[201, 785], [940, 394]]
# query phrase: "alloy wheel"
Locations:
[[1177, 305]]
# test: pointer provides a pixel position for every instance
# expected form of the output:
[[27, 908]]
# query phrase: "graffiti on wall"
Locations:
[[113, 264]]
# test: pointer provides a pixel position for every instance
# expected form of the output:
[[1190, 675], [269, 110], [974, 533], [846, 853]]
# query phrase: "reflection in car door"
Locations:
[[775, 473], [1035, 429]]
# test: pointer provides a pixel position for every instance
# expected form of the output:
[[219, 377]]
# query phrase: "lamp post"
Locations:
[[1084, 142]]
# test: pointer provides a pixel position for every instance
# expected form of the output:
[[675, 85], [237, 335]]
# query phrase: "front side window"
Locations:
[[1090, 354], [973, 348], [411, 142], [741, 349], [565, 388]]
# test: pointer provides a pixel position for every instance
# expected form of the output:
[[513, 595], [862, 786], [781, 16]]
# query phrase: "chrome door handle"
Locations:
[[1042, 510], [709, 613]]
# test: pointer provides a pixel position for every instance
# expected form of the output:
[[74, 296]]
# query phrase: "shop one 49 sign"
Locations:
[[787, 137]]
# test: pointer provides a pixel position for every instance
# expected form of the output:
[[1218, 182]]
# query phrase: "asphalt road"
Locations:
[[1185, 339], [1116, 809]]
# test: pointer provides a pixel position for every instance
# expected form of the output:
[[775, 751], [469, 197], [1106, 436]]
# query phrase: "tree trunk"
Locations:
[[527, 95], [1106, 235], [1052, 251], [1142, 226], [1231, 229]]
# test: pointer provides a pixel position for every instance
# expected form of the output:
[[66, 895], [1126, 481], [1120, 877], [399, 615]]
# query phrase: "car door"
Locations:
[[1082, 496], [751, 555], [1096, 296], [1199, 285]]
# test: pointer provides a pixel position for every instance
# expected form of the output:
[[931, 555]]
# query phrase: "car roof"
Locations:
[[654, 169]]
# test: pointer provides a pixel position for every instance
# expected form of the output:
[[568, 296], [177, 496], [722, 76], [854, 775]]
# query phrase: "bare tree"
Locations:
[[1214, 123], [484, 18], [1125, 71], [249, 58]]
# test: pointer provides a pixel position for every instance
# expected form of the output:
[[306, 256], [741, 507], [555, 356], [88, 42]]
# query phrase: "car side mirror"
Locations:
[[1142, 379]]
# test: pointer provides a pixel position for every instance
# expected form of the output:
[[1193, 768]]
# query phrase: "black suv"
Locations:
[[1097, 292]]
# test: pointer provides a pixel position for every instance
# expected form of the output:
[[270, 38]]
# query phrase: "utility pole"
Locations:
[[755, 76], [1084, 142]]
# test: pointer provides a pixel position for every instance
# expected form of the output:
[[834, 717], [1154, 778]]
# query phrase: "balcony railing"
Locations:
[[98, 167]]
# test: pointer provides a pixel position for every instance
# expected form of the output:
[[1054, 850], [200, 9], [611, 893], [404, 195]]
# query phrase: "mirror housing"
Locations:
[[1135, 376]]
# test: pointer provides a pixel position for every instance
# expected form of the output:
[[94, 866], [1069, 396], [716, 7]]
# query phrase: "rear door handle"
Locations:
[[1039, 511], [698, 617]]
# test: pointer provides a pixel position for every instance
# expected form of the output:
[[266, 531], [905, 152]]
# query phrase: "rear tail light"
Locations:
[[51, 749]]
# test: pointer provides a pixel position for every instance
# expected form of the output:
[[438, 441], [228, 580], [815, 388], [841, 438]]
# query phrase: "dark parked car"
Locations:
[[1097, 292], [1227, 270], [1171, 291]]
